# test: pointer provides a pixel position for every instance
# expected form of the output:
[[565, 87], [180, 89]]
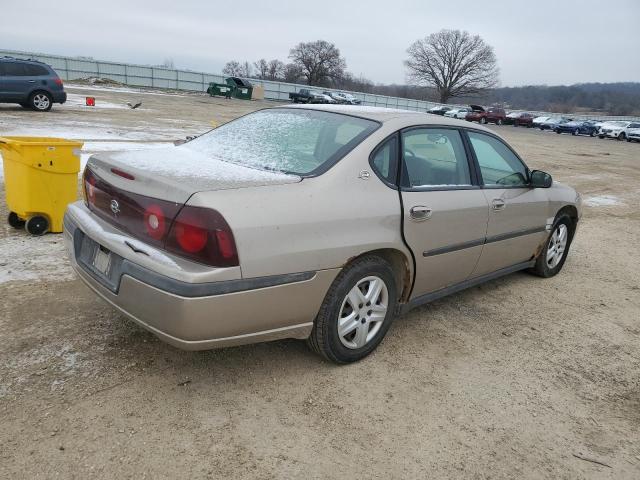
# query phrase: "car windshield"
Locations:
[[296, 141]]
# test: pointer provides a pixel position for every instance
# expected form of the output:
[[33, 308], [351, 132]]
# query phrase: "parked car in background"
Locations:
[[614, 129], [552, 122], [30, 83], [538, 120], [460, 113], [343, 98], [577, 127], [204, 259], [481, 115], [439, 110], [306, 95], [632, 132], [518, 119]]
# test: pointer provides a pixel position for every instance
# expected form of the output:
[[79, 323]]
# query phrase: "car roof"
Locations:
[[21, 60], [383, 115]]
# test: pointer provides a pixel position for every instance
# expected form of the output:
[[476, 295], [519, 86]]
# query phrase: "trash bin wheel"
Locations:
[[15, 221], [37, 225]]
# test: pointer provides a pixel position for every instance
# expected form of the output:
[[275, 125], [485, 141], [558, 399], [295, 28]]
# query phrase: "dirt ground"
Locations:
[[514, 379]]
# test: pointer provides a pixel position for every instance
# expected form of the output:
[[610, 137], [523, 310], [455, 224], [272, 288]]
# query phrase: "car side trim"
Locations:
[[472, 282], [454, 248], [517, 233], [483, 241]]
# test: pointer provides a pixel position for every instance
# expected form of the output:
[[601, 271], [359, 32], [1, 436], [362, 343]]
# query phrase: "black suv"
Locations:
[[30, 83]]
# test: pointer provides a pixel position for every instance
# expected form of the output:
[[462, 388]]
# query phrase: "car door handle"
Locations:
[[498, 204], [31, 81], [420, 212]]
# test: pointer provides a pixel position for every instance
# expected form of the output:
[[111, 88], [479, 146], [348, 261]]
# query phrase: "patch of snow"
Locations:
[[27, 258], [141, 91], [602, 201], [202, 171]]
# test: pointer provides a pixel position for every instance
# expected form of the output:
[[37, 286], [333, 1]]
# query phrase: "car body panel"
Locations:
[[515, 231], [449, 242]]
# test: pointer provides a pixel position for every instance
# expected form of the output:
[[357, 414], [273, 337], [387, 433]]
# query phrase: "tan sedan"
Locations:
[[315, 222]]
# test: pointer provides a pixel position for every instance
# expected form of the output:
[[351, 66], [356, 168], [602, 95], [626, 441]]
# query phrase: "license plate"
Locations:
[[102, 260]]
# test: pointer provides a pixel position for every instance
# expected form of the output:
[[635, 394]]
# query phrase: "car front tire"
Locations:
[[357, 311], [555, 250]]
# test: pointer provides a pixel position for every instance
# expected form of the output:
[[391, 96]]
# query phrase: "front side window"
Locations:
[[296, 141], [14, 69], [434, 157], [498, 164]]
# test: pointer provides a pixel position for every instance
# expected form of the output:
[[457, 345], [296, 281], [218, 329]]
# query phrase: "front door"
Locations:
[[445, 211], [517, 212]]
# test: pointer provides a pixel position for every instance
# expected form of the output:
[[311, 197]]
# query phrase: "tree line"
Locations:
[[441, 67]]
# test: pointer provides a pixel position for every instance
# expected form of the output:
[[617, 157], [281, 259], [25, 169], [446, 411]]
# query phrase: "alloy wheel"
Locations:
[[557, 245], [362, 312], [41, 101]]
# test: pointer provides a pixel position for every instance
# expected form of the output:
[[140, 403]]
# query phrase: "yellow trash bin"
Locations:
[[41, 179]]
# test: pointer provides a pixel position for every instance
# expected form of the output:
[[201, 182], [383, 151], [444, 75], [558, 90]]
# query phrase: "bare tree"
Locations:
[[275, 70], [455, 63], [262, 68], [237, 69], [320, 61], [232, 68], [292, 73]]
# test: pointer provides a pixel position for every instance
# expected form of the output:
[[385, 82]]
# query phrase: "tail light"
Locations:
[[203, 235], [196, 233], [58, 81]]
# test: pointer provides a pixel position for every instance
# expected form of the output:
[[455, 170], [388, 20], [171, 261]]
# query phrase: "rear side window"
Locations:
[[434, 157], [35, 70], [385, 159], [498, 164]]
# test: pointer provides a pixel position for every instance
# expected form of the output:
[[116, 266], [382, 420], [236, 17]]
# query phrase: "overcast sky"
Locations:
[[536, 42]]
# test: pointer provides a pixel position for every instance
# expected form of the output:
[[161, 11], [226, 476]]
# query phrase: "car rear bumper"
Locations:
[[59, 97], [203, 315]]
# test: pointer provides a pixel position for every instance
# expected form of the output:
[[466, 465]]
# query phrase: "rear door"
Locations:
[[445, 212], [517, 212]]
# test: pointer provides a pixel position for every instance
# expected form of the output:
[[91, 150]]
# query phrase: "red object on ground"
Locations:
[[91, 102]]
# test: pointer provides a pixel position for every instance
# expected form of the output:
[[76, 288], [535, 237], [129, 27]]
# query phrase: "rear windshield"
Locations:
[[297, 141]]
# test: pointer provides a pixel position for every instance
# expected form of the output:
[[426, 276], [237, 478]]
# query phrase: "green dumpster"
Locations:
[[242, 88], [220, 89]]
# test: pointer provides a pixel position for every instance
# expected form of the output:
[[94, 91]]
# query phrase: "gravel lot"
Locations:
[[514, 379]]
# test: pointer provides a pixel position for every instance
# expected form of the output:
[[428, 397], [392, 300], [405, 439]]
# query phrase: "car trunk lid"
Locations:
[[176, 173], [143, 192]]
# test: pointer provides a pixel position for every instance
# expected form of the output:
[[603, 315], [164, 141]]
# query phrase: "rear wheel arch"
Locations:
[[401, 265]]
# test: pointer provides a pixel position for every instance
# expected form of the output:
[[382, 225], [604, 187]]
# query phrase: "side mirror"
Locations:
[[540, 179]]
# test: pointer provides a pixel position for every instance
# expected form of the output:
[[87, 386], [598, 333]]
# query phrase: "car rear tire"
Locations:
[[555, 250], [483, 120], [41, 101], [499, 121], [356, 312]]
